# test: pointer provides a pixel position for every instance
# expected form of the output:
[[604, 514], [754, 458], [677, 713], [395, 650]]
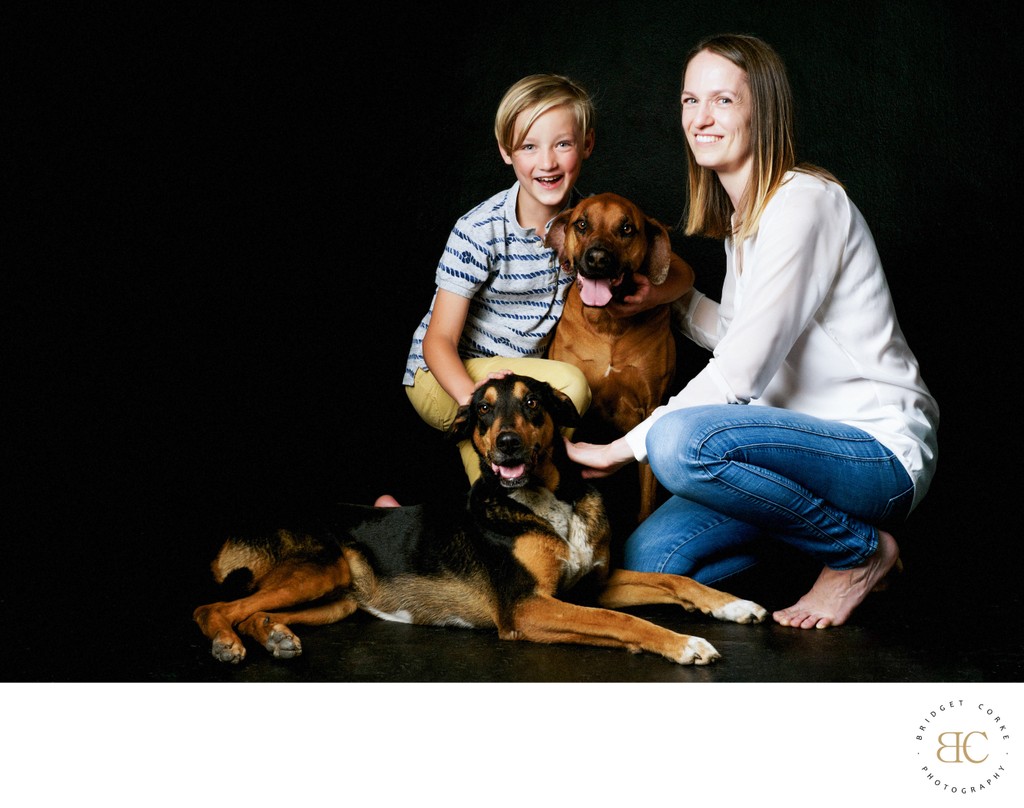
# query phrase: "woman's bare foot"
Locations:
[[386, 501], [837, 593]]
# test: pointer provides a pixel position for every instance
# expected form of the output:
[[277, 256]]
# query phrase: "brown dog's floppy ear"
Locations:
[[555, 237], [659, 251]]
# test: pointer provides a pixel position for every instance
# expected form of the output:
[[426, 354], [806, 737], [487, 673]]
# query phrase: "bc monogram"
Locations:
[[961, 744]]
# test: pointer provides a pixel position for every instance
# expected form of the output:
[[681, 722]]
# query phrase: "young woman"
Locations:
[[811, 424]]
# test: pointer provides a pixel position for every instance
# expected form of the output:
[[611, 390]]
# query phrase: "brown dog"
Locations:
[[533, 529], [629, 362]]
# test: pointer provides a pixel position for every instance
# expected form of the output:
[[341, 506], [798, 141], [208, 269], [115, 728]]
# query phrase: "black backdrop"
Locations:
[[233, 215]]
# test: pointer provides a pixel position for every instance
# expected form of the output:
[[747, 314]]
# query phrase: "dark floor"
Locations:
[[888, 643], [105, 591], [929, 627], [891, 640]]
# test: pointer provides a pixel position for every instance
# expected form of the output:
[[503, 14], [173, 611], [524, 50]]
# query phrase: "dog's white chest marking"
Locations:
[[566, 524]]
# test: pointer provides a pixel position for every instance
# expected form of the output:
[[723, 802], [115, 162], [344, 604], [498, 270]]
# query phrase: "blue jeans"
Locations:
[[745, 477]]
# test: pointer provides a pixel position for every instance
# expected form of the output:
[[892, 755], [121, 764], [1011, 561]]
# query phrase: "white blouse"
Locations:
[[807, 323]]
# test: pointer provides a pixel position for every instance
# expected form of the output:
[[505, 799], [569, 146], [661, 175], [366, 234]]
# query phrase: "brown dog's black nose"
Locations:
[[600, 262]]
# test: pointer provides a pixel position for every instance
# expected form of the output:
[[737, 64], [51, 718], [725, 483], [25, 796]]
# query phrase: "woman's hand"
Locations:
[[600, 460], [648, 295], [641, 300]]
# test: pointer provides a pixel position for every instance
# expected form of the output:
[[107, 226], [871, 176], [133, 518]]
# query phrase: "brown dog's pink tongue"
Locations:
[[595, 293]]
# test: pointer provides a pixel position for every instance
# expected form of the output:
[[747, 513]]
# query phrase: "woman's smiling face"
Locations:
[[716, 113]]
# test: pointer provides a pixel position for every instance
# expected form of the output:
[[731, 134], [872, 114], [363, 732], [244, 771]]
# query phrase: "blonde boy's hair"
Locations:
[[709, 209], [538, 94]]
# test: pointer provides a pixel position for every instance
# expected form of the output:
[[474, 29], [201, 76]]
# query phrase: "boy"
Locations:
[[500, 291]]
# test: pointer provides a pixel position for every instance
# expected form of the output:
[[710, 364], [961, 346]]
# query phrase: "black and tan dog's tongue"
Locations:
[[509, 472], [595, 292]]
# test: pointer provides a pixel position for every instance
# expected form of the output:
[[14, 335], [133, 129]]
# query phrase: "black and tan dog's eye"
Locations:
[[483, 408], [532, 402]]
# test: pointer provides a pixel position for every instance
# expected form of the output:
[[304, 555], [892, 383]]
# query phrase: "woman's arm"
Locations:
[[648, 295], [789, 271]]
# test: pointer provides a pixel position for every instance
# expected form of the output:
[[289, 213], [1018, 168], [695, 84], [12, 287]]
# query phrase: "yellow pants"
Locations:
[[439, 409]]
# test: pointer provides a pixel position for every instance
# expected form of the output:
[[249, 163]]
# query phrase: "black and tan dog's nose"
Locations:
[[509, 442]]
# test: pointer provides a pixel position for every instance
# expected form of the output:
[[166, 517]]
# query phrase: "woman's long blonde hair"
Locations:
[[709, 210]]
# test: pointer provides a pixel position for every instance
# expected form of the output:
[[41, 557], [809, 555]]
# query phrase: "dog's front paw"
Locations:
[[698, 651], [282, 643], [741, 611], [228, 649]]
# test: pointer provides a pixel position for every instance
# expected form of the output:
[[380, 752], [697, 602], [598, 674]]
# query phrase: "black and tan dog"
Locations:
[[629, 362], [533, 528]]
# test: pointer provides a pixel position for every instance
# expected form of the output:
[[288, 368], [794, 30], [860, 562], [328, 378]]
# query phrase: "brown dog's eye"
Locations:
[[627, 229], [580, 225]]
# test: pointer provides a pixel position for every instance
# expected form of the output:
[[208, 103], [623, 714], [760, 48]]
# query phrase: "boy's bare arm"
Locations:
[[441, 346]]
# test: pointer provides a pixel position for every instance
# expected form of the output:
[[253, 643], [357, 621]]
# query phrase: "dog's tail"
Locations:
[[261, 554]]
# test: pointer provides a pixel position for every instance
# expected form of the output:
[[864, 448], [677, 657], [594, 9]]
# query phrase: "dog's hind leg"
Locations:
[[284, 586], [271, 629], [546, 620], [627, 588], [217, 622]]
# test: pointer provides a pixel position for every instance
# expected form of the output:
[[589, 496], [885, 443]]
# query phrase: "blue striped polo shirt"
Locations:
[[513, 281]]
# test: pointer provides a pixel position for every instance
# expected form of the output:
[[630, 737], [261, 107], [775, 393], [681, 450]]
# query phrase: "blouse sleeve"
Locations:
[[700, 321], [789, 268]]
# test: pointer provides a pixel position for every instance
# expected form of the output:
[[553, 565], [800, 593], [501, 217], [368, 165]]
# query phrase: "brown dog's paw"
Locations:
[[698, 651]]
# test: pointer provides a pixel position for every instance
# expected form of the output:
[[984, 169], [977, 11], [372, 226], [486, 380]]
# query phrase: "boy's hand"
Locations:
[[495, 374]]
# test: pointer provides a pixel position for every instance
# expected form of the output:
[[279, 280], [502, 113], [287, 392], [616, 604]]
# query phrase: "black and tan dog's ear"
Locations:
[[659, 251], [563, 411], [555, 237], [461, 427]]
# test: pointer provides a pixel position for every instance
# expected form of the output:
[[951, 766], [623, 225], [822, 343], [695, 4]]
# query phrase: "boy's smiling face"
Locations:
[[547, 164]]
